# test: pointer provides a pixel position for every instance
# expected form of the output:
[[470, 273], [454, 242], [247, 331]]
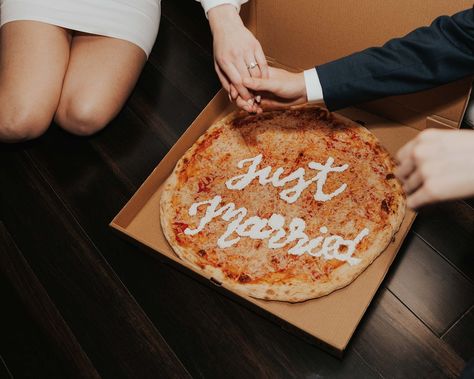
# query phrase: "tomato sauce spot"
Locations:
[[244, 278]]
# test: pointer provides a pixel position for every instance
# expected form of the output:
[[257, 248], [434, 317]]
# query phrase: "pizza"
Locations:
[[287, 205]]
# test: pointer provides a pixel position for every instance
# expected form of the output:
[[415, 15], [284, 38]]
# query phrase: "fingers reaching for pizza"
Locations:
[[437, 165], [237, 55]]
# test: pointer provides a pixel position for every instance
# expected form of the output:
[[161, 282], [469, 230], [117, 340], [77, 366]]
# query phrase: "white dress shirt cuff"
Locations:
[[209, 4], [314, 91]]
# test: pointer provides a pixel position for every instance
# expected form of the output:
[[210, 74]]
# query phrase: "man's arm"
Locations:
[[425, 58]]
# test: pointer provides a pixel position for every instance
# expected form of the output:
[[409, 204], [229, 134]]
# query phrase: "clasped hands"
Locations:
[[437, 165]]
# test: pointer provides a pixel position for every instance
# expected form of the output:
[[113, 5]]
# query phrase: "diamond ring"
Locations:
[[252, 65]]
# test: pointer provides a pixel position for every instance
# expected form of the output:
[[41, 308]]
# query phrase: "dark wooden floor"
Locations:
[[77, 301]]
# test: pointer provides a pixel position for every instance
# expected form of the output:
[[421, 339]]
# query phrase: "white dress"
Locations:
[[136, 21]]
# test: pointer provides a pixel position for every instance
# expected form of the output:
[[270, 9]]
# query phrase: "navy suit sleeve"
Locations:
[[425, 58]]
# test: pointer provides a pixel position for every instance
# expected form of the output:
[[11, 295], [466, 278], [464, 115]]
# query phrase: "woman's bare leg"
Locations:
[[101, 74], [33, 61]]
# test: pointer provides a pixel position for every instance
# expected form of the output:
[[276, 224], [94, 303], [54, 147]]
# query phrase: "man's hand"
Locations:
[[237, 54], [280, 90], [437, 165]]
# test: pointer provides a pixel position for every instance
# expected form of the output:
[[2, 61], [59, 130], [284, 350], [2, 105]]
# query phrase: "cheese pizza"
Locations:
[[286, 205]]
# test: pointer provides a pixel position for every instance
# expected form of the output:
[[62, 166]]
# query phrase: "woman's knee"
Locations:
[[21, 123], [82, 118]]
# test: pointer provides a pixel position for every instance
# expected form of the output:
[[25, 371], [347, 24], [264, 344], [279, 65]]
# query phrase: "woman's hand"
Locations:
[[437, 165], [237, 54], [280, 90]]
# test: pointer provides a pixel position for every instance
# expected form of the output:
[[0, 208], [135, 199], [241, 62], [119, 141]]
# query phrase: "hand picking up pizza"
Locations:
[[287, 205]]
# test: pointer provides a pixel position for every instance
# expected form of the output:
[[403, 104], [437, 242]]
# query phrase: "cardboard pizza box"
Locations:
[[300, 34]]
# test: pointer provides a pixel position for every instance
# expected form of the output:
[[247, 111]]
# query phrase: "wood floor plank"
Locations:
[[470, 202], [190, 18], [131, 148], [161, 105], [401, 346], [4, 371], [429, 285], [461, 336], [211, 335], [69, 354], [449, 228], [111, 327], [185, 64], [26, 349]]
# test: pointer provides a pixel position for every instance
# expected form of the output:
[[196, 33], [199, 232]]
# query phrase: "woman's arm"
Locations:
[[237, 53]]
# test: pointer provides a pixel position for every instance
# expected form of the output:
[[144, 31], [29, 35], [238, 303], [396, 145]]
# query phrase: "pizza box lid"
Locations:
[[301, 34], [329, 321]]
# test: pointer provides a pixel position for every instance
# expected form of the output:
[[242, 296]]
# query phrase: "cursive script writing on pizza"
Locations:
[[288, 205]]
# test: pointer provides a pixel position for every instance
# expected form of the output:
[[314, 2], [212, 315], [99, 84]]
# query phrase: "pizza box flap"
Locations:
[[329, 321], [304, 33]]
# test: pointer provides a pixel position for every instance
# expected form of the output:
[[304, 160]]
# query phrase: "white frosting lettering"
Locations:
[[290, 195], [272, 229]]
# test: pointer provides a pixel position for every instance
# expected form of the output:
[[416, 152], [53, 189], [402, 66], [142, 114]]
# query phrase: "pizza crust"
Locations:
[[292, 290]]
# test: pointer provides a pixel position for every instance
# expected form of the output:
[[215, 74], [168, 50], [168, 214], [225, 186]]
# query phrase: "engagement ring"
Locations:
[[252, 65]]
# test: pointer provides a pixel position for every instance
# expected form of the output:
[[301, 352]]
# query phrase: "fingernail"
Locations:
[[247, 108], [230, 97], [258, 99], [250, 101]]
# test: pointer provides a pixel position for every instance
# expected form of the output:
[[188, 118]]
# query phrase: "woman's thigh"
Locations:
[[33, 61], [101, 74]]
